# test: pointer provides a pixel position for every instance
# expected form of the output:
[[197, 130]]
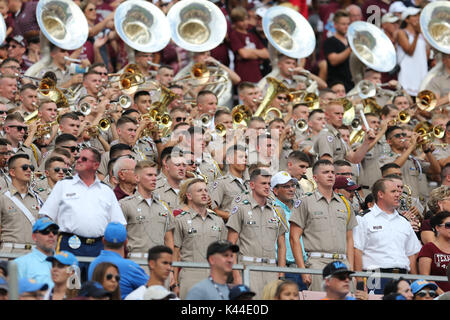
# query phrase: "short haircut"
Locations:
[[339, 14], [313, 112], [15, 116], [62, 152], [168, 152], [124, 120], [387, 166], [221, 112], [27, 86], [97, 155], [7, 60], [256, 119], [341, 163], [238, 14], [16, 157], [234, 148], [205, 93], [379, 185], [390, 130], [44, 102], [387, 109], [262, 137], [196, 130], [117, 149], [145, 164], [69, 115], [259, 172], [298, 105], [335, 82], [299, 156], [64, 137], [52, 159], [129, 111], [140, 94], [323, 162], [155, 252], [185, 186], [4, 142], [445, 171], [177, 109], [245, 85], [391, 286], [118, 165]]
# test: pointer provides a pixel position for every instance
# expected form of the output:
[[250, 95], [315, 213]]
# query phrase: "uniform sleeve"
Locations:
[[352, 222], [283, 225], [299, 215], [171, 225], [359, 237], [103, 168], [235, 220], [224, 233], [323, 146], [178, 233], [124, 208], [51, 205], [216, 194]]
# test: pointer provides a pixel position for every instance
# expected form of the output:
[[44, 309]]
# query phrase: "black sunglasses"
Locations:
[[3, 112], [109, 276], [398, 135], [19, 128], [57, 169], [446, 225], [46, 232], [26, 166], [283, 98], [180, 119], [72, 149], [342, 276], [423, 293]]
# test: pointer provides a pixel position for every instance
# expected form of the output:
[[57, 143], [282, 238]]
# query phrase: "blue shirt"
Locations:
[[34, 266], [132, 276], [289, 255]]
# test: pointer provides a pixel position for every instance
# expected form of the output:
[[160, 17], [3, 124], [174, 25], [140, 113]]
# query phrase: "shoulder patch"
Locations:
[[330, 138], [234, 210], [211, 212], [215, 184], [297, 203]]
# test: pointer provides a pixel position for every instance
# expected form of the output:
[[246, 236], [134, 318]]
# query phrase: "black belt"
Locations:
[[365, 187], [389, 270], [82, 239]]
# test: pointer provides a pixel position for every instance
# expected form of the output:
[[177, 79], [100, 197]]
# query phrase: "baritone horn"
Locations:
[[241, 115], [264, 110]]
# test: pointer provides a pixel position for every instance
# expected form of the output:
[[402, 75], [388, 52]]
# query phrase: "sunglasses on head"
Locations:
[[72, 148], [423, 293], [19, 128], [109, 276], [399, 135], [446, 225], [58, 169], [46, 232], [26, 166]]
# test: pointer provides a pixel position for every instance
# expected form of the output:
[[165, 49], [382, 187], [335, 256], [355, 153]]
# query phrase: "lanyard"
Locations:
[[217, 288]]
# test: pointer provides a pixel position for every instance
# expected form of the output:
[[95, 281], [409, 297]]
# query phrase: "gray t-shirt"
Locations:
[[207, 290]]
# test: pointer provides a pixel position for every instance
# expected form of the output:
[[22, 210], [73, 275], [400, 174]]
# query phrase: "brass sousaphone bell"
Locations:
[[435, 25]]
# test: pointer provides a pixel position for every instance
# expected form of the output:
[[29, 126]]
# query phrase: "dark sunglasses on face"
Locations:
[[19, 128], [46, 232], [109, 276], [72, 149], [3, 112], [283, 98], [6, 153], [26, 166], [423, 293], [342, 276], [57, 169], [398, 135], [180, 119], [446, 225]]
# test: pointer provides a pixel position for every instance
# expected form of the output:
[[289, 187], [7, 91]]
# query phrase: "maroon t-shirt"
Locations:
[[247, 69], [439, 262], [377, 5]]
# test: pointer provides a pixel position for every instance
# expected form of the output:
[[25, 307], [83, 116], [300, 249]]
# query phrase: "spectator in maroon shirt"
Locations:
[[25, 22], [434, 257], [9, 20], [123, 170], [438, 201], [369, 5], [16, 50], [247, 48]]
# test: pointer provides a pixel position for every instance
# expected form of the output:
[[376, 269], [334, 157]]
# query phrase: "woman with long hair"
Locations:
[[107, 274]]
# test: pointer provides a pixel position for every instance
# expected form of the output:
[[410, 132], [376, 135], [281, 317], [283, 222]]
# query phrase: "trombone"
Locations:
[[403, 117]]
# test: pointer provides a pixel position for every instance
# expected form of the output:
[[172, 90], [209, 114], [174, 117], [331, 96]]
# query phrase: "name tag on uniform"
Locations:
[[317, 213], [251, 222], [192, 231], [377, 228], [72, 195]]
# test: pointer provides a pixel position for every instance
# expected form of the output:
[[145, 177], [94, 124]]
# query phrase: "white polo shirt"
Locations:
[[82, 210], [386, 240]]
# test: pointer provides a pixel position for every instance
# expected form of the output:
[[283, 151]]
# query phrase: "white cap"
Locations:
[[389, 18], [410, 11], [158, 293], [397, 7], [261, 11], [281, 177]]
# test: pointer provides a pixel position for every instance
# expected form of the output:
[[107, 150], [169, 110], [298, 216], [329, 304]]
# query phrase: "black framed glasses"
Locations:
[[84, 159], [19, 128], [445, 225], [6, 153], [399, 135], [25, 167], [110, 276], [58, 169], [47, 231], [72, 148], [423, 293]]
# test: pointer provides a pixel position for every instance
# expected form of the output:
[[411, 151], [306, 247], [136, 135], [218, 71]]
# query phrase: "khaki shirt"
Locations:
[[330, 142], [5, 180], [324, 224], [193, 235], [209, 167], [15, 226], [167, 194], [146, 224], [441, 151], [370, 168], [33, 152], [258, 227], [61, 76], [146, 149], [9, 104], [224, 190], [440, 84], [42, 188]]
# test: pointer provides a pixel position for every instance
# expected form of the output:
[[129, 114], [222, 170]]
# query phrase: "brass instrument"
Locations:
[[130, 79], [289, 32], [434, 22], [142, 25], [47, 89], [274, 88], [403, 117], [205, 120], [85, 109], [405, 198], [304, 97], [426, 100], [158, 113], [241, 115], [301, 125], [197, 175], [196, 25], [371, 106], [221, 130], [427, 132], [372, 47]]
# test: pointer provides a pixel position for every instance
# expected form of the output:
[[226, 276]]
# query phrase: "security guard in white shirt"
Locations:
[[384, 240], [83, 206]]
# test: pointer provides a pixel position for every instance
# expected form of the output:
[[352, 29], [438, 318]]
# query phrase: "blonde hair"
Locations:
[[437, 195], [270, 290], [185, 186]]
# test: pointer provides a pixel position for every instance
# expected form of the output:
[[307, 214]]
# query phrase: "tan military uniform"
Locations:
[[5, 180], [146, 224], [225, 189], [209, 167], [413, 174], [440, 84], [441, 151], [167, 194], [42, 188], [325, 227], [258, 228], [61, 76], [16, 227], [370, 168], [9, 104], [94, 143], [193, 235], [33, 152], [330, 142], [146, 149]]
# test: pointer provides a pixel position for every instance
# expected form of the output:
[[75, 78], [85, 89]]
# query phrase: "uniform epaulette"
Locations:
[[211, 212], [128, 198], [69, 178], [308, 194], [362, 214]]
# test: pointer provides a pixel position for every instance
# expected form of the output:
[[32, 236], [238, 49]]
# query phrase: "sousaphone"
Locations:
[[372, 46]]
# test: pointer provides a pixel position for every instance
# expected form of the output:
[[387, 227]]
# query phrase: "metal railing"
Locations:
[[246, 269]]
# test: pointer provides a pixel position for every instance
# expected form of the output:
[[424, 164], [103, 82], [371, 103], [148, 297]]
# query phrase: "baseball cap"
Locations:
[[220, 247], [64, 257], [4, 284], [397, 7], [93, 289], [389, 18], [410, 11], [239, 290], [334, 268], [418, 285], [31, 285], [281, 177], [115, 233], [19, 39], [261, 11], [348, 184], [158, 293], [42, 224]]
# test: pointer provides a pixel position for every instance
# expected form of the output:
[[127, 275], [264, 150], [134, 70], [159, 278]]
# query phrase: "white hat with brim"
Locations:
[[410, 11]]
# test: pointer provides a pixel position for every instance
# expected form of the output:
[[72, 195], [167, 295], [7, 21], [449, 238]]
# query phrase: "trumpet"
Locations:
[[221, 130], [103, 125], [205, 120], [301, 125], [427, 132], [426, 100], [405, 198], [403, 117], [85, 109], [241, 115]]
